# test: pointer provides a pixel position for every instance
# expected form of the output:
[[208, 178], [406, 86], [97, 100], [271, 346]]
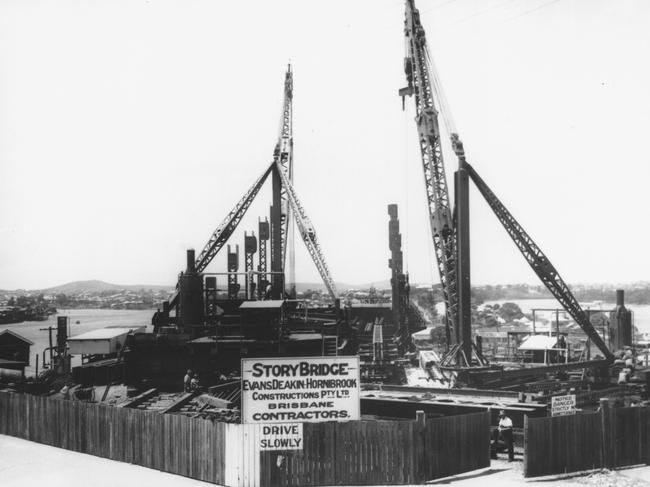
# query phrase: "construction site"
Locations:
[[221, 353]]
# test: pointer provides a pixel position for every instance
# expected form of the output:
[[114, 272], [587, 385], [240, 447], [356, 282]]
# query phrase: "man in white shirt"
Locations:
[[505, 431]]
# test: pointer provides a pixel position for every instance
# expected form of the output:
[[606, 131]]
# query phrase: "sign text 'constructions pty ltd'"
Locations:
[[290, 390]]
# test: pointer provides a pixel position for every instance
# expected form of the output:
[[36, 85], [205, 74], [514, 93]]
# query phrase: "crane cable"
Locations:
[[406, 192], [447, 118], [405, 139]]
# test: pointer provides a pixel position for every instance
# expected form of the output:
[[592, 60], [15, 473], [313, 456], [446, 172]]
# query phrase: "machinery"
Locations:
[[283, 157], [399, 280], [450, 227], [209, 329], [285, 209]]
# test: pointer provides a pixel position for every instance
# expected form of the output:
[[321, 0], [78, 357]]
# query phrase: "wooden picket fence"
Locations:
[[171, 443], [382, 452], [609, 438], [354, 452]]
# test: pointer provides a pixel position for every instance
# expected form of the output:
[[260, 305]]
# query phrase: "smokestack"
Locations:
[[621, 331], [191, 267]]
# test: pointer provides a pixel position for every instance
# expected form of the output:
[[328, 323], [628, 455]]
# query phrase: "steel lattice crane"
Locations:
[[283, 157], [225, 230], [285, 203], [418, 76], [307, 232], [451, 236], [539, 262], [229, 224]]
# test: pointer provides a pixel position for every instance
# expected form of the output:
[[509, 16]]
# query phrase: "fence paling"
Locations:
[[173, 444], [611, 438], [358, 452], [382, 452]]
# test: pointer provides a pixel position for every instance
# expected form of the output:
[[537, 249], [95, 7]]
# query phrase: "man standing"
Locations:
[[505, 431], [187, 380]]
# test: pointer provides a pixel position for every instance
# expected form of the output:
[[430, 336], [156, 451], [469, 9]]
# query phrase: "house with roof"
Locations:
[[14, 351]]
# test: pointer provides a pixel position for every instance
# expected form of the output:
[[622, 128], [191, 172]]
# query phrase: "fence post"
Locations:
[[606, 433], [525, 445], [419, 440]]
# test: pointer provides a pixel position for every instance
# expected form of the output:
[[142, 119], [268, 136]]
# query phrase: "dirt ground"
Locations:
[[502, 473], [24, 463]]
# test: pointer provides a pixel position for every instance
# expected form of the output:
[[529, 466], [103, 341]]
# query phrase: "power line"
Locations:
[[481, 12], [527, 12], [436, 7]]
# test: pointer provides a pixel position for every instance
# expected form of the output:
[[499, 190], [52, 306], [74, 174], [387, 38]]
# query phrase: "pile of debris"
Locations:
[[207, 406]]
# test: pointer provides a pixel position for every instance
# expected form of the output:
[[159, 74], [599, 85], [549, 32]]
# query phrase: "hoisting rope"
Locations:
[[439, 94]]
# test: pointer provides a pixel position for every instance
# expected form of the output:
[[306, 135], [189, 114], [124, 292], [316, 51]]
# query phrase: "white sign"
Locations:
[[563, 405], [285, 436], [290, 390]]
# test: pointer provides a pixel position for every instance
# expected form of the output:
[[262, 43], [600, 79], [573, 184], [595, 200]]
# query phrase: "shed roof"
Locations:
[[424, 333], [268, 304], [20, 337], [12, 364], [538, 342], [105, 333], [370, 305]]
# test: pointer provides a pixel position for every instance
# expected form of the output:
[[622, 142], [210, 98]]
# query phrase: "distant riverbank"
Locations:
[[640, 312], [89, 319]]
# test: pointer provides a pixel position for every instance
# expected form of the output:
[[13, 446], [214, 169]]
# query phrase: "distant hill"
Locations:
[[341, 286], [96, 286]]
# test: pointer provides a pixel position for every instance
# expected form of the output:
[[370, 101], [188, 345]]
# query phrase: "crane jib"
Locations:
[[424, 84]]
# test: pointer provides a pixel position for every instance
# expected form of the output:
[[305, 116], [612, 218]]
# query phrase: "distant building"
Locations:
[[14, 351]]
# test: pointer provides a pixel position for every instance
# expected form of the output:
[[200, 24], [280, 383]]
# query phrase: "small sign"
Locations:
[[286, 436], [563, 405], [293, 390]]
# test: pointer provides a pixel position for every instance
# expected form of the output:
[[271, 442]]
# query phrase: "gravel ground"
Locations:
[[26, 464]]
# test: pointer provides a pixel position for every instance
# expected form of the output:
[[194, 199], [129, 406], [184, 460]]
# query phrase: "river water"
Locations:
[[640, 312], [89, 319], [92, 319]]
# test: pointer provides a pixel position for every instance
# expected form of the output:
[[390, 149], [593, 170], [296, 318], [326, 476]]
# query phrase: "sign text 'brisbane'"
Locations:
[[311, 389]]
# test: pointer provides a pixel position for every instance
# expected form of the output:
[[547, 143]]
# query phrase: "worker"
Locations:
[[187, 380], [194, 383], [505, 431]]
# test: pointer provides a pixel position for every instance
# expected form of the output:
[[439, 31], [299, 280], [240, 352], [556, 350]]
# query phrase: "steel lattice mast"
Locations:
[[225, 229], [538, 261], [307, 232], [283, 157], [425, 85], [289, 205], [419, 80], [229, 224]]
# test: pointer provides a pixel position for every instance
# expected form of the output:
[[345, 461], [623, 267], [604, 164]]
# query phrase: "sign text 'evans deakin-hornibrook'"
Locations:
[[283, 390]]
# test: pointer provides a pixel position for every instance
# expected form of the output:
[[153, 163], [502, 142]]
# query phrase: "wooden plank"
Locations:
[[354, 452], [556, 445]]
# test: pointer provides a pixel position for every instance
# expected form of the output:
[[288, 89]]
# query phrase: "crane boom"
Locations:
[[229, 224], [307, 232], [417, 71], [424, 83], [283, 155], [539, 262]]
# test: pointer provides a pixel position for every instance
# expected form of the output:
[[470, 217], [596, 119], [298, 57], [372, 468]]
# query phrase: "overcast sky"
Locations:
[[129, 129]]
